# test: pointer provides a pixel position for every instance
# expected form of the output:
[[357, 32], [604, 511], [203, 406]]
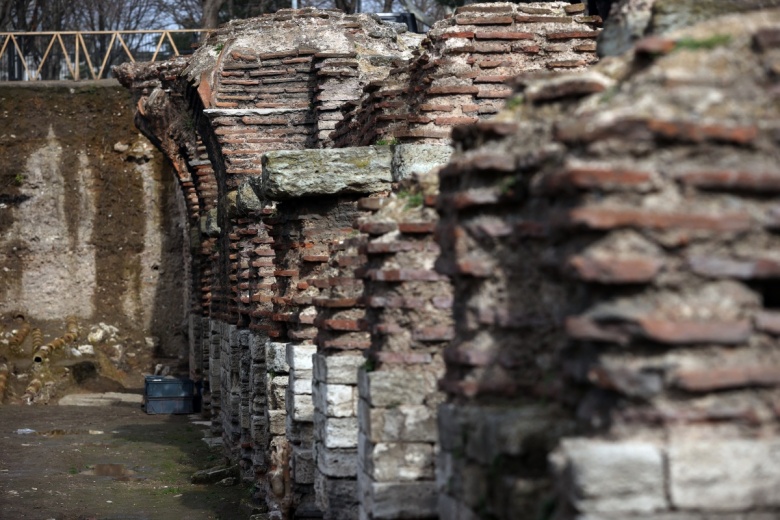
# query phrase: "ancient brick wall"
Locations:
[[573, 318], [609, 241], [460, 74]]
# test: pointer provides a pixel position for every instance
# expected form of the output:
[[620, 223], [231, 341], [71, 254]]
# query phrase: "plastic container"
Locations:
[[169, 405], [168, 395]]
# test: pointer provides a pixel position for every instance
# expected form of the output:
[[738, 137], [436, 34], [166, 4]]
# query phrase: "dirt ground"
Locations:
[[108, 463]]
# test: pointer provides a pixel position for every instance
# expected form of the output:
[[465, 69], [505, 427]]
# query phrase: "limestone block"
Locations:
[[417, 159], [299, 357], [396, 461], [276, 421], [391, 500], [276, 357], [337, 497], [303, 465], [247, 200], [340, 369], [259, 429], [392, 388], [298, 173], [277, 387], [301, 381], [300, 432], [334, 400], [336, 432], [612, 477], [257, 348], [336, 462], [408, 423], [303, 408], [724, 475]]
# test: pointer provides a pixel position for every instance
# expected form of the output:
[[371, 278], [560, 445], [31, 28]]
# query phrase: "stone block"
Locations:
[[299, 357], [336, 497], [277, 387], [394, 500], [340, 369], [276, 422], [301, 381], [612, 477], [334, 400], [336, 462], [303, 408], [336, 432], [453, 509], [396, 461], [276, 358], [418, 159], [257, 347], [407, 423], [303, 465], [299, 173], [392, 388], [724, 474], [300, 432]]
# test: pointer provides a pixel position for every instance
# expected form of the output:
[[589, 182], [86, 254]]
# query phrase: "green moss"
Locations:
[[711, 42], [18, 179], [369, 365], [411, 200], [391, 141], [514, 102], [218, 47]]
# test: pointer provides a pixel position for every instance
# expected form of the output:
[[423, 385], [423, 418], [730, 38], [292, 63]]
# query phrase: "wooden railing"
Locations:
[[79, 55]]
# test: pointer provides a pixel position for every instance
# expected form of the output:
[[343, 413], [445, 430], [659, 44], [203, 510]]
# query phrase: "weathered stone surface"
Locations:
[[398, 499], [299, 357], [396, 461], [335, 400], [276, 358], [247, 200], [410, 423], [336, 432], [411, 159], [337, 462], [391, 388], [341, 369], [595, 472], [724, 474], [300, 173]]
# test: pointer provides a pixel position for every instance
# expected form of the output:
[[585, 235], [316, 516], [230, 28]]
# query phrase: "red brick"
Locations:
[[746, 269], [340, 324], [596, 177], [699, 132], [521, 18], [501, 78], [503, 35], [568, 35], [459, 34], [688, 332], [585, 329], [485, 93], [585, 47], [604, 218], [286, 272], [566, 64], [616, 270], [762, 181], [416, 227], [453, 89], [403, 275], [574, 8], [655, 45], [768, 321], [712, 379], [528, 49], [315, 258], [483, 20], [427, 107], [377, 228], [336, 302], [345, 344]]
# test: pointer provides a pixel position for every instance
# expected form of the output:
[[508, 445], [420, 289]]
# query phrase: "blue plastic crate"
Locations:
[[169, 405], [157, 386]]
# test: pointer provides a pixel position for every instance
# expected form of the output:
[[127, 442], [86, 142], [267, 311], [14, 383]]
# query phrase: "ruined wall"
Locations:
[[571, 317]]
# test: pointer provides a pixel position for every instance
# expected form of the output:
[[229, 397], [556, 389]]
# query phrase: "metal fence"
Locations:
[[30, 56]]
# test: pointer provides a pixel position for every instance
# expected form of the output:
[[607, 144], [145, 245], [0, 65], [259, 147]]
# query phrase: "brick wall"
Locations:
[[610, 243]]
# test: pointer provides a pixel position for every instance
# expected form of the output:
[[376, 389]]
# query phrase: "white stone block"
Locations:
[[396, 461], [406, 423], [336, 463], [299, 357], [336, 432], [392, 388], [303, 408], [612, 477], [725, 475], [301, 381], [339, 369], [276, 358], [334, 400]]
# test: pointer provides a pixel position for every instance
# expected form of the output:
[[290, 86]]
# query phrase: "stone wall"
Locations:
[[571, 317]]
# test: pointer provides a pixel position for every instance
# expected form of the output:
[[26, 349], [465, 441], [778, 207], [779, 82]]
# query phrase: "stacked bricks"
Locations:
[[340, 344], [408, 315], [460, 77], [639, 220]]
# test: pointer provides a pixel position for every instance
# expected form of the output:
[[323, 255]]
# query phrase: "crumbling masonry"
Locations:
[[415, 299]]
